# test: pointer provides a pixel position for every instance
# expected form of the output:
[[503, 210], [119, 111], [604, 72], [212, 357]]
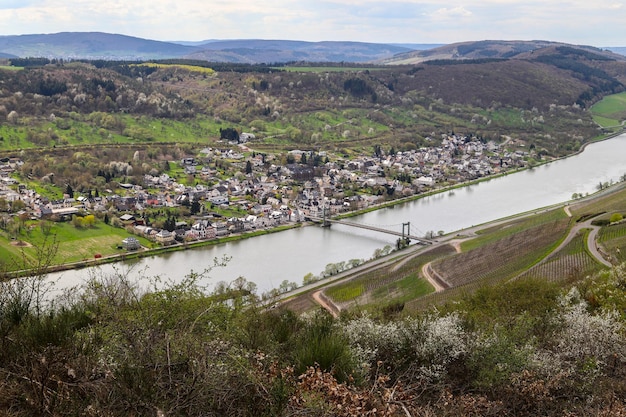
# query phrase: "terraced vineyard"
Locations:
[[570, 263], [502, 259], [613, 238]]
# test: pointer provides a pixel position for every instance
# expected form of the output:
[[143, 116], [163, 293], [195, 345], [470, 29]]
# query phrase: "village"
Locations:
[[270, 193]]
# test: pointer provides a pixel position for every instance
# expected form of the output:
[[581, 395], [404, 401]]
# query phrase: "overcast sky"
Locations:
[[591, 22]]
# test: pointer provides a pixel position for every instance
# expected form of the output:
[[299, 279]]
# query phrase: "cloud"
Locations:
[[455, 12], [417, 21]]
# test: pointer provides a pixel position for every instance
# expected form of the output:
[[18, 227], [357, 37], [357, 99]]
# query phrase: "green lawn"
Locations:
[[610, 111], [73, 244]]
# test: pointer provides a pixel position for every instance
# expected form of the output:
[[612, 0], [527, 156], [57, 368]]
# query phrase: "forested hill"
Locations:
[[540, 97], [495, 49], [97, 45]]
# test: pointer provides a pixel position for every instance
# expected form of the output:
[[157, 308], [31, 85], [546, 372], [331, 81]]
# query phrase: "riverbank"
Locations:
[[292, 252], [453, 187], [149, 252]]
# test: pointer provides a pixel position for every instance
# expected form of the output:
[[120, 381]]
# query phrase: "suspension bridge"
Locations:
[[404, 234]]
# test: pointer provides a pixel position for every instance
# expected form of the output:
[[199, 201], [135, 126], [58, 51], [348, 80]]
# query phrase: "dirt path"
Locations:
[[567, 211], [436, 283], [456, 244], [324, 302]]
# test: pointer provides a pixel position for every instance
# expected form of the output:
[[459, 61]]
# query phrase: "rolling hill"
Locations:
[[90, 45], [490, 49], [97, 45]]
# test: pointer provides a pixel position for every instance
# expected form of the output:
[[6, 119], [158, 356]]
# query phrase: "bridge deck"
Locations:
[[373, 228]]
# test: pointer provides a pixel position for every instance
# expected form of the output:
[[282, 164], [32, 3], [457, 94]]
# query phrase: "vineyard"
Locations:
[[612, 232], [504, 258], [519, 249], [388, 283], [613, 238], [570, 263], [504, 230]]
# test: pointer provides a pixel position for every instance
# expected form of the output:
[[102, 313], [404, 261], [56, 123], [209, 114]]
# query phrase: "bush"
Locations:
[[322, 344]]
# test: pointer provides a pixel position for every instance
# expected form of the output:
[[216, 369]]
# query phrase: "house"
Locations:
[[131, 243], [127, 219], [219, 200], [164, 237], [427, 181], [245, 137]]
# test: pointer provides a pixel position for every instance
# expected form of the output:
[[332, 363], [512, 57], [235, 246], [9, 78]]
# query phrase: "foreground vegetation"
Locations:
[[524, 348]]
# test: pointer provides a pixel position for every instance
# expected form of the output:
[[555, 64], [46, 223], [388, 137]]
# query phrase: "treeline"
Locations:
[[34, 62], [441, 62], [133, 68]]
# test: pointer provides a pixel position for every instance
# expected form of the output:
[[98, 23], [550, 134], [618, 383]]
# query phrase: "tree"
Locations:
[[248, 167], [195, 207], [89, 220], [69, 191], [78, 222], [229, 134]]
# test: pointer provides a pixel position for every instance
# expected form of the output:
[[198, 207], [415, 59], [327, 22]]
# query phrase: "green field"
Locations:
[[610, 111], [101, 128], [74, 244], [10, 68]]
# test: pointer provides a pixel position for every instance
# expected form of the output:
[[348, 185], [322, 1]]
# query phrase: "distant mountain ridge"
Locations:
[[492, 49], [98, 45], [90, 45]]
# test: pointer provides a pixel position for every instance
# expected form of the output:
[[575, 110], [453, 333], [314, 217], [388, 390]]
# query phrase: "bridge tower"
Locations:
[[325, 214], [405, 236]]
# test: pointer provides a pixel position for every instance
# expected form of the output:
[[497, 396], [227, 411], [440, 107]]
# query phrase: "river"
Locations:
[[270, 259]]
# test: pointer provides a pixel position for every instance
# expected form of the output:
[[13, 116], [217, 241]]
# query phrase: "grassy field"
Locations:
[[73, 244], [192, 68], [610, 111], [10, 68], [99, 128], [614, 201]]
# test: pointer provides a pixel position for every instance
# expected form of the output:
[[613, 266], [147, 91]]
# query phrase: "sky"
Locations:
[[600, 23]]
